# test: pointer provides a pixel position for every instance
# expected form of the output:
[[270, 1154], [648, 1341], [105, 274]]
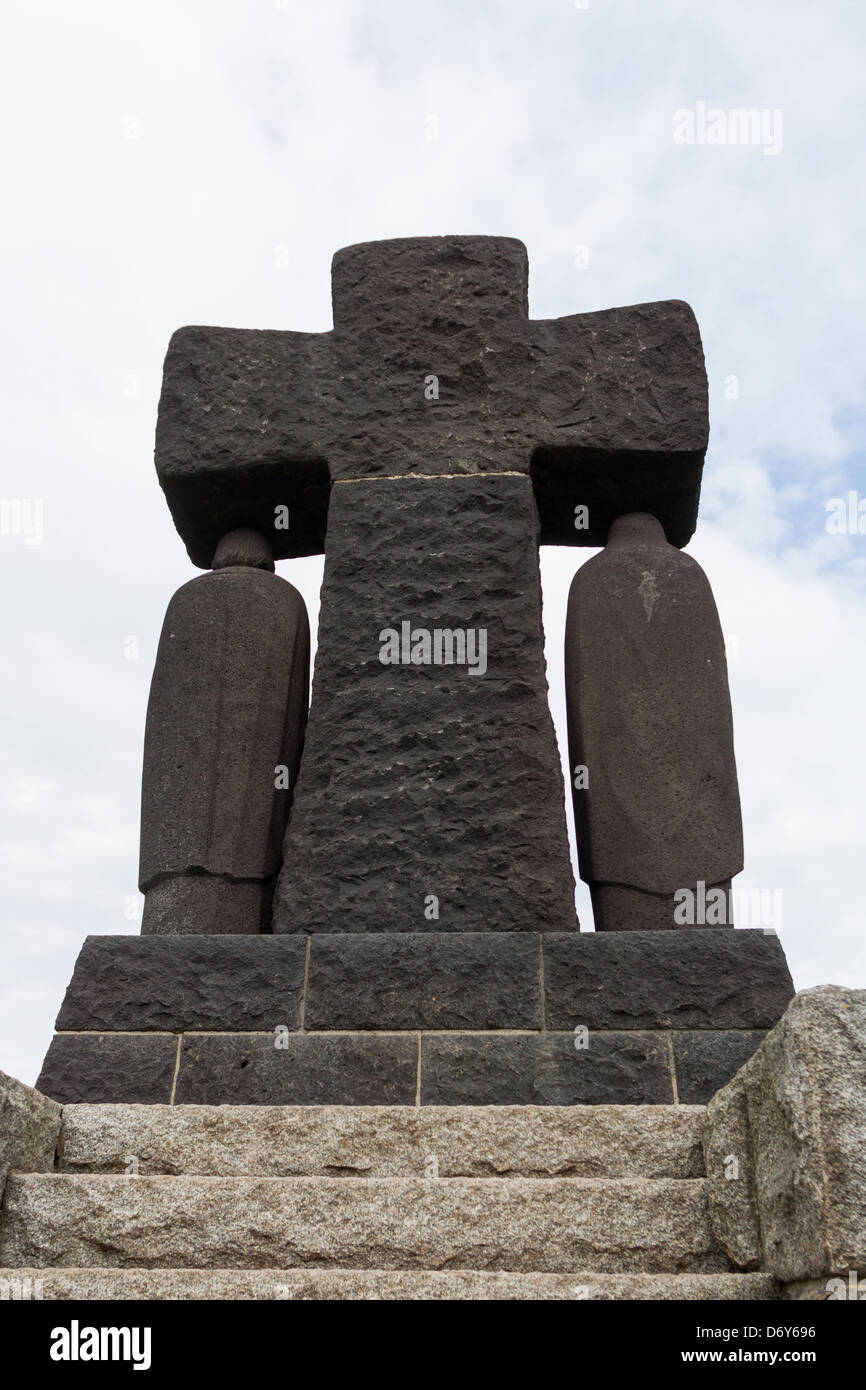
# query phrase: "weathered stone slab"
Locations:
[[446, 980], [29, 1129], [545, 1069], [379, 1284], [225, 984], [612, 1141], [649, 718], [109, 1067], [418, 779], [731, 1176], [551, 1225], [309, 1069], [684, 980], [794, 1119], [706, 1060]]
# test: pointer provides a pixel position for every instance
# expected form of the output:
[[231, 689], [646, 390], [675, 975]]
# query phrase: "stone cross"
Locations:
[[436, 434]]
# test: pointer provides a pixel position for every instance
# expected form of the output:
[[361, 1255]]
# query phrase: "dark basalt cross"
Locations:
[[428, 443]]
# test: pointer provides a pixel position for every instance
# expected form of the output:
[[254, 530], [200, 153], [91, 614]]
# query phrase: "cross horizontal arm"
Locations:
[[620, 398], [240, 434], [434, 368]]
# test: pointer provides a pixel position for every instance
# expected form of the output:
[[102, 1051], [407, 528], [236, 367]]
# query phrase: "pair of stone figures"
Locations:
[[651, 764]]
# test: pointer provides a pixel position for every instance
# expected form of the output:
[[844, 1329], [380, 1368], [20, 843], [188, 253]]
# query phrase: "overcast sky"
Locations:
[[189, 162]]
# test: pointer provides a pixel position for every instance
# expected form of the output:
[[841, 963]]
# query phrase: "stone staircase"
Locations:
[[369, 1202]]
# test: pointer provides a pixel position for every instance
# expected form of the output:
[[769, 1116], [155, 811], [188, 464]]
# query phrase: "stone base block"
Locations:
[[402, 1019], [417, 1068]]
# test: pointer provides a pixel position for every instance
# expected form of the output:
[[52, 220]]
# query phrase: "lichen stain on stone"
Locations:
[[649, 592]]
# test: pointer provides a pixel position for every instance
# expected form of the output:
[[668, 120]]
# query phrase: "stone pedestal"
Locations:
[[401, 1018]]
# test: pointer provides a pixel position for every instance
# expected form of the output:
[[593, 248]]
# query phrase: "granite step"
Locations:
[[376, 1284], [592, 1141], [517, 1225]]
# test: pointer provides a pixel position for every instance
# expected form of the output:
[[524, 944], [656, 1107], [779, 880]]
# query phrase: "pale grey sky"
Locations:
[[190, 162]]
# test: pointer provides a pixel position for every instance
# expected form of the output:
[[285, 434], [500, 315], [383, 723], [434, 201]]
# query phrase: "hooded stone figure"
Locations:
[[654, 782], [225, 729]]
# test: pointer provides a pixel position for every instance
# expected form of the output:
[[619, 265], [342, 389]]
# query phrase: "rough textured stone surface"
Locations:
[[544, 1069], [143, 984], [378, 1284], [610, 408], [447, 980], [109, 1067], [422, 780], [795, 1117], [658, 1141], [552, 1225], [280, 1067], [227, 708], [705, 1061], [649, 716], [312, 1069], [731, 1176], [29, 1129], [689, 979]]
